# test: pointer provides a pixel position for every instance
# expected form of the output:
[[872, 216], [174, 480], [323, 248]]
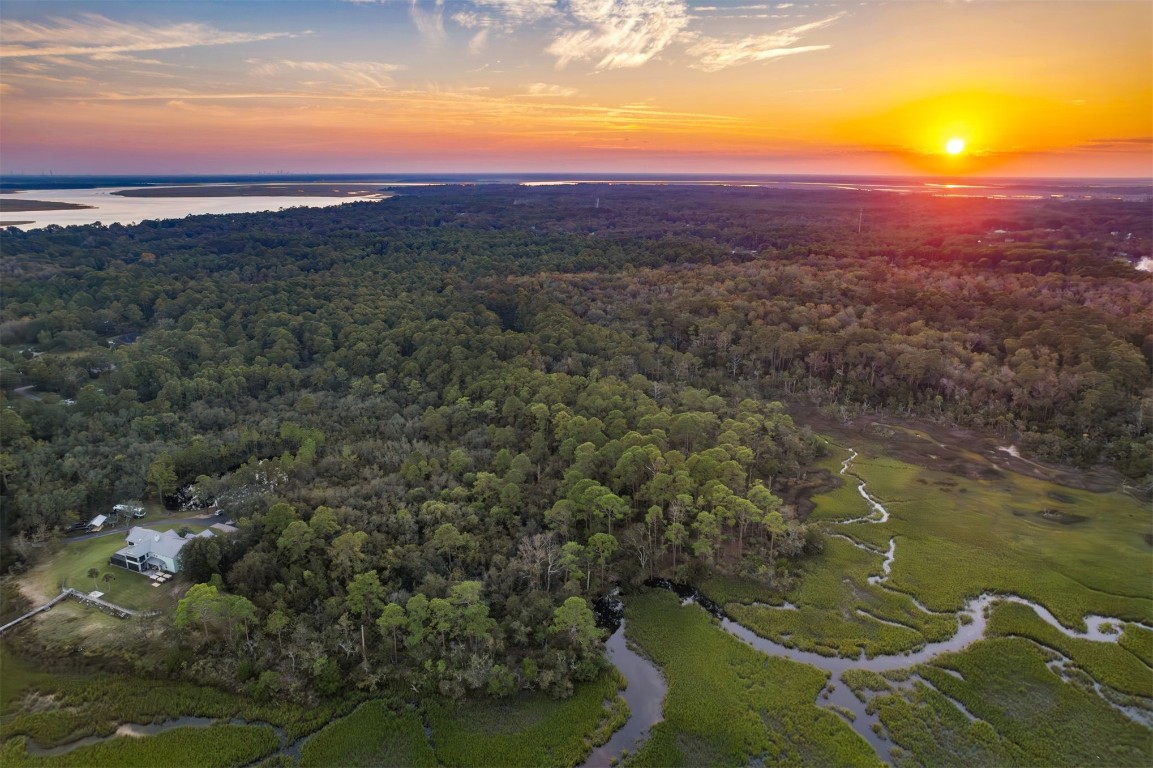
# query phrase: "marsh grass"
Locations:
[[528, 730], [1007, 684], [1107, 663], [219, 746], [728, 704], [833, 589], [98, 704], [375, 735]]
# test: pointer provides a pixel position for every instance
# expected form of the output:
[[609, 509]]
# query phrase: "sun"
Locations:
[[955, 146]]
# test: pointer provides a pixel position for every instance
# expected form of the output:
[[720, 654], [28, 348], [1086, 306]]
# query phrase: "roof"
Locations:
[[144, 542], [225, 527], [98, 520]]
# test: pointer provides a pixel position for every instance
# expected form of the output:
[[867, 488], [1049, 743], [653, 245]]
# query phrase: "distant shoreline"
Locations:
[[8, 205], [258, 190]]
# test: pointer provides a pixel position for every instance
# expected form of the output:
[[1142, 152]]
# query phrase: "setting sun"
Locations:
[[955, 146]]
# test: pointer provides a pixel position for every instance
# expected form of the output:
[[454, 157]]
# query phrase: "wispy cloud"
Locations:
[[362, 74], [92, 34], [625, 33], [505, 14], [548, 89], [430, 23], [714, 54]]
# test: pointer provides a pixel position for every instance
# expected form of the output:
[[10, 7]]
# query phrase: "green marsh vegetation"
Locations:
[[58, 709], [374, 735], [531, 730], [218, 746], [728, 704], [959, 537], [1108, 663], [1048, 721]]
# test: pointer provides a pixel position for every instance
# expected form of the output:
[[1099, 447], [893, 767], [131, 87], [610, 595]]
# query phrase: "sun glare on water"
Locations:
[[955, 146]]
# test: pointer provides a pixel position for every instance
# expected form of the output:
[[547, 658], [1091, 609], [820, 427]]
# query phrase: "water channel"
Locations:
[[971, 623]]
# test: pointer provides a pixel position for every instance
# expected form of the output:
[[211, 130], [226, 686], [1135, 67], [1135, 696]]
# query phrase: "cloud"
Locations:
[[624, 33], [122, 58], [91, 34], [547, 89], [362, 74], [506, 14], [1125, 144], [714, 54], [430, 24]]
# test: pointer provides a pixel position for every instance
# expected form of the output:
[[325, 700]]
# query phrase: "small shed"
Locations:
[[96, 523]]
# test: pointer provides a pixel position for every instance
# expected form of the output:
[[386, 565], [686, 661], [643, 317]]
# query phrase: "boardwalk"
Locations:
[[115, 610], [35, 611]]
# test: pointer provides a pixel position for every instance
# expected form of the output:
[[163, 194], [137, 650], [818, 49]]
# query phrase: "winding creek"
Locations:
[[971, 623], [646, 687]]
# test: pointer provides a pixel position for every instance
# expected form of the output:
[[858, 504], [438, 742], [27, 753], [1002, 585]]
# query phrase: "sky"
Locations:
[[1033, 88]]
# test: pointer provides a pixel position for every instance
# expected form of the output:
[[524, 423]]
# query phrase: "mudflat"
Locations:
[[8, 205], [259, 190]]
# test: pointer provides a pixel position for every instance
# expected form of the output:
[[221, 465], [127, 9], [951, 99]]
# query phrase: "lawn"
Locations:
[[70, 565]]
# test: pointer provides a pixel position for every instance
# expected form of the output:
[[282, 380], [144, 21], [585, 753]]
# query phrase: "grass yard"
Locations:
[[70, 565], [729, 704]]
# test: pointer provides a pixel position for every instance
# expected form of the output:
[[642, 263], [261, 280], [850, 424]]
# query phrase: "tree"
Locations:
[[162, 475], [199, 604], [392, 619], [602, 546], [93, 574], [574, 621], [365, 598]]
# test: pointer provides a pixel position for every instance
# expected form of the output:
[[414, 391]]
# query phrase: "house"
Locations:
[[96, 523], [150, 550]]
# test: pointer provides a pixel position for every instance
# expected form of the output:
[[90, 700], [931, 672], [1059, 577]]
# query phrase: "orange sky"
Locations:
[[1034, 88]]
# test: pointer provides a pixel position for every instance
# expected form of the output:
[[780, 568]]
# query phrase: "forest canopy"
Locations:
[[447, 421]]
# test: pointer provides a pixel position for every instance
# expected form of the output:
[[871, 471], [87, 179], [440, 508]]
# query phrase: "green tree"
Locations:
[[365, 598], [574, 621], [162, 475], [392, 620], [200, 603]]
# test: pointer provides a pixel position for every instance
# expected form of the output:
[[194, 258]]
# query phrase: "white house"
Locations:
[[149, 550]]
